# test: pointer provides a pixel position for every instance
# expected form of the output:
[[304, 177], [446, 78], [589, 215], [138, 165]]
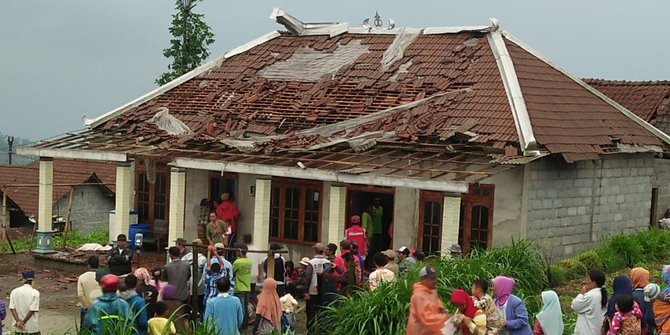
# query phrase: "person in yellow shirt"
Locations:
[[159, 324]]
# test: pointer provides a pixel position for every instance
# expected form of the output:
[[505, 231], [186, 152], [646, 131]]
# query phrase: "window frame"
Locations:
[[140, 177], [302, 185], [476, 198], [425, 197]]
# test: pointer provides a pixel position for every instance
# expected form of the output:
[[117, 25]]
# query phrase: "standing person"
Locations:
[[255, 258], [137, 306], [359, 258], [356, 234], [3, 315], [227, 211], [591, 304], [317, 265], [347, 277], [345, 248], [483, 301], [180, 243], [381, 275], [226, 266], [225, 305], [120, 257], [549, 321], [86, 284], [662, 303], [176, 309], [177, 274], [620, 285], [213, 273], [426, 312], [160, 324], [392, 265], [97, 292], [24, 305], [471, 319], [216, 230], [146, 290], [275, 248], [511, 307], [626, 319], [640, 278], [268, 310], [376, 230], [405, 259], [108, 313], [198, 277], [157, 281], [331, 252], [242, 272]]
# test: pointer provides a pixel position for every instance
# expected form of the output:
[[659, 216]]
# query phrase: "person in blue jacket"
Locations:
[[108, 312], [138, 309], [225, 311], [510, 306]]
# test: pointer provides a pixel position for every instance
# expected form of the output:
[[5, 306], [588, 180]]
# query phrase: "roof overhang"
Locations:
[[91, 155]]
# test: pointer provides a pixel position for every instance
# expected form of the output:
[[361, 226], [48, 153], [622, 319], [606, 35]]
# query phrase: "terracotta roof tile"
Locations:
[[647, 99]]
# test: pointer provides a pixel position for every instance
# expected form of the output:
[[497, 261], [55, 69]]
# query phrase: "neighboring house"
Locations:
[[650, 100], [93, 196], [464, 135]]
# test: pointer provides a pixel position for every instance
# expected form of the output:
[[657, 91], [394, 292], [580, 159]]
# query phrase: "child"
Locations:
[[157, 282], [291, 272], [160, 325], [484, 302], [626, 320]]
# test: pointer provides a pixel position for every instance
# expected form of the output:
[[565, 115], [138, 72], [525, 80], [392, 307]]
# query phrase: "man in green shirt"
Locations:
[[242, 273], [216, 230]]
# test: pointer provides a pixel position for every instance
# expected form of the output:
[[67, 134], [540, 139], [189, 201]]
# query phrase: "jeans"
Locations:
[[244, 296], [82, 313]]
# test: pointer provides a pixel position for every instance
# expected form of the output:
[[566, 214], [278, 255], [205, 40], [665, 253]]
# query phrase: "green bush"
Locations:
[[654, 243], [591, 260], [385, 310], [574, 269], [557, 275], [609, 256]]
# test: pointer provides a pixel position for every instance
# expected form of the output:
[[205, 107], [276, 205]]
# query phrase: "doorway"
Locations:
[[358, 199], [476, 217]]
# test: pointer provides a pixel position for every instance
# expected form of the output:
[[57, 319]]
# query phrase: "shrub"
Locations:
[[591, 260], [557, 275], [628, 247], [573, 268], [654, 243], [611, 259], [386, 309]]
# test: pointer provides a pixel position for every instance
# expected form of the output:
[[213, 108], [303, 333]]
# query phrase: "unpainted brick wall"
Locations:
[[90, 208], [571, 206], [662, 183]]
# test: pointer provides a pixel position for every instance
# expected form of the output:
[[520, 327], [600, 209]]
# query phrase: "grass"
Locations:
[[75, 239]]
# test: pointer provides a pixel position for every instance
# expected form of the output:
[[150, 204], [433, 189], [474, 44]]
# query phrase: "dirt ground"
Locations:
[[59, 313]]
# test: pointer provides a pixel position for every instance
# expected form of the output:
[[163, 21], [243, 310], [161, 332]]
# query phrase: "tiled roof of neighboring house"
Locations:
[[647, 99], [22, 181], [411, 87]]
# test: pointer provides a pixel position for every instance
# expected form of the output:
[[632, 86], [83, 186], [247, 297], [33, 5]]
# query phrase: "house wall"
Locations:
[[90, 208], [507, 206], [571, 206], [405, 217], [197, 188], [662, 182]]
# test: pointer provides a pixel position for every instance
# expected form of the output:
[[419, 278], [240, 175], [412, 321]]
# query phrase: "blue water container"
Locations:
[[143, 228]]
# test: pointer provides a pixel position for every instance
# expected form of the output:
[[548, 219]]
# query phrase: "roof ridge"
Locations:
[[632, 116], [625, 82]]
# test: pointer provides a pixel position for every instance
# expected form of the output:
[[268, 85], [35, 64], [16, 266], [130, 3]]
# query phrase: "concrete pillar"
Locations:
[[450, 222], [124, 187], [261, 229], [177, 204], [336, 214], [45, 202]]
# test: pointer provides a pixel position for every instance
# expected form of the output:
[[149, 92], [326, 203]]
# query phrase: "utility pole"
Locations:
[[10, 141]]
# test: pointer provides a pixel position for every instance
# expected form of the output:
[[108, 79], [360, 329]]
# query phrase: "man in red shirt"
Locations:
[[227, 211], [356, 233]]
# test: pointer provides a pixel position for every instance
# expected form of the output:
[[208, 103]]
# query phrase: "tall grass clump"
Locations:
[[385, 310]]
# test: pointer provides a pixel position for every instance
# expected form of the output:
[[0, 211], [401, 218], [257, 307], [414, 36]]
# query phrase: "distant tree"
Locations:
[[189, 47]]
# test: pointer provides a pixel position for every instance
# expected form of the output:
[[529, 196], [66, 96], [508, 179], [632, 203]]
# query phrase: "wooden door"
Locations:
[[430, 221], [476, 220]]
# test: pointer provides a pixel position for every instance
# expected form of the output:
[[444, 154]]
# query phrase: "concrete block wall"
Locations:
[[571, 206], [662, 182], [90, 208]]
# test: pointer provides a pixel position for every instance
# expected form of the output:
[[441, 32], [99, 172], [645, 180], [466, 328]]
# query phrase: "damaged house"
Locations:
[[463, 134]]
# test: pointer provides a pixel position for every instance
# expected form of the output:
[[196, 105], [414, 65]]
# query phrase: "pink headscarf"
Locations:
[[143, 276], [502, 288]]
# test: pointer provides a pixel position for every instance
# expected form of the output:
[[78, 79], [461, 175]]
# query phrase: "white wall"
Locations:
[[507, 218], [405, 217], [197, 188]]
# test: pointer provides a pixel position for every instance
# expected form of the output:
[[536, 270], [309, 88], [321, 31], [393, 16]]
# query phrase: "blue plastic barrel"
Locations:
[[143, 228]]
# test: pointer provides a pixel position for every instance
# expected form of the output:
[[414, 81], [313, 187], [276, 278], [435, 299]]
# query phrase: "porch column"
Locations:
[[177, 203], [45, 202], [261, 230], [450, 222], [121, 223], [336, 214]]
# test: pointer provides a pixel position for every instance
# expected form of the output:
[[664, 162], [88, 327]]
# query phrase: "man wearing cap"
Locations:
[[405, 259], [226, 265], [356, 233], [426, 312], [24, 304], [119, 257], [108, 311], [87, 284], [316, 266], [178, 273], [392, 265]]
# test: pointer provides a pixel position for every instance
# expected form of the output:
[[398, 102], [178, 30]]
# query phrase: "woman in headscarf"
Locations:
[[662, 304], [176, 310], [145, 290], [268, 309], [550, 319], [510, 306], [470, 318], [640, 278], [620, 285], [591, 304]]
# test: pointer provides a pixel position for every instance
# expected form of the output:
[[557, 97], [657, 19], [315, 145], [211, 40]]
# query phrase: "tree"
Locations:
[[189, 47]]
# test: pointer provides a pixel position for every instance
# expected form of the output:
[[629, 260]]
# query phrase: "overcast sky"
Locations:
[[62, 59]]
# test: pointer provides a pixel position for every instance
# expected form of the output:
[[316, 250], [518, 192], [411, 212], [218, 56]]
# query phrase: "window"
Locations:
[[430, 220], [476, 220], [152, 199], [295, 211]]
